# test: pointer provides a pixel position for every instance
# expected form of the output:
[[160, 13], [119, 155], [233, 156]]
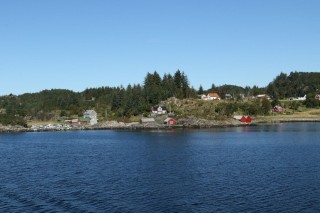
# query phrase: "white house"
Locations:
[[211, 96], [299, 98], [92, 115], [228, 96], [261, 96], [159, 110], [302, 98]]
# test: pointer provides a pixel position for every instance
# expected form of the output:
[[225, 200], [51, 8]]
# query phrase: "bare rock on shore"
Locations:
[[199, 122], [12, 128], [110, 124]]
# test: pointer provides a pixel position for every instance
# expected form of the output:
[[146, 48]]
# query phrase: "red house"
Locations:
[[249, 119], [170, 121], [277, 109], [243, 119], [75, 121]]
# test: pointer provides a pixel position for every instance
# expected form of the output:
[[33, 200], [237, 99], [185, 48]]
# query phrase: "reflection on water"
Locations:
[[250, 169]]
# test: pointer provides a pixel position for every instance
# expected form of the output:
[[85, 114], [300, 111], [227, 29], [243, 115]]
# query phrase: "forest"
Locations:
[[137, 99]]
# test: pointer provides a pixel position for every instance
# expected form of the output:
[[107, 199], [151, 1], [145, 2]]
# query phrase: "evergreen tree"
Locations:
[[213, 88], [152, 88], [178, 79], [168, 86], [200, 90], [185, 85]]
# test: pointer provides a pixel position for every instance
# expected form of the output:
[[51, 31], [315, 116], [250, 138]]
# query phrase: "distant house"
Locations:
[[147, 120], [75, 121], [228, 96], [277, 109], [80, 121], [92, 115], [159, 110], [299, 98], [262, 96], [85, 121], [243, 119], [170, 121], [211, 96], [317, 97], [248, 119]]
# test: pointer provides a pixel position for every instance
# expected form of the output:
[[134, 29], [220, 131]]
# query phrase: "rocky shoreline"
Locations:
[[185, 123]]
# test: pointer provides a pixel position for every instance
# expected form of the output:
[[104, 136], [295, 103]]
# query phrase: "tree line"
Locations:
[[137, 99], [296, 84], [112, 102]]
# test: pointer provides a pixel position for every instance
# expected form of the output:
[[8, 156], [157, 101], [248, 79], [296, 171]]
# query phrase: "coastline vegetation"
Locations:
[[134, 101]]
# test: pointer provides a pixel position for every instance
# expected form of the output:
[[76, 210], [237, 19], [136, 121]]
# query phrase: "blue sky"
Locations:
[[77, 44]]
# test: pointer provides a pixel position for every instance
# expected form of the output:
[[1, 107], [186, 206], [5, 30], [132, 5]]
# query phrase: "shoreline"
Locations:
[[134, 126]]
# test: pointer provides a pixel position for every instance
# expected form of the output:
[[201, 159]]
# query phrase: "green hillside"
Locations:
[[135, 100]]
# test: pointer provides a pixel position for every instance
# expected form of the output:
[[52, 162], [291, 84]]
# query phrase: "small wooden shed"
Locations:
[[170, 121], [243, 119]]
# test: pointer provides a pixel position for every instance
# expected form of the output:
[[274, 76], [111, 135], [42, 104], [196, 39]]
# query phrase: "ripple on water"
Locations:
[[263, 169]]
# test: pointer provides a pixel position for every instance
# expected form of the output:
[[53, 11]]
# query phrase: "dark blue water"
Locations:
[[243, 169]]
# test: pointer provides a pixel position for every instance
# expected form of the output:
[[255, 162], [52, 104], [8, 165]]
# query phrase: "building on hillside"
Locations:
[[170, 121], [213, 96], [210, 96], [262, 96], [80, 121], [228, 96], [85, 121], [317, 97], [75, 121], [299, 98], [159, 110], [92, 115], [278, 109]]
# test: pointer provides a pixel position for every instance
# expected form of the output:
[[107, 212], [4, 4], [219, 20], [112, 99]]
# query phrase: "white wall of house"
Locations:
[[93, 121], [92, 115]]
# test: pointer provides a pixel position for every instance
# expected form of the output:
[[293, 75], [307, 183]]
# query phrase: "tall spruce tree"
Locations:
[[200, 90], [152, 88]]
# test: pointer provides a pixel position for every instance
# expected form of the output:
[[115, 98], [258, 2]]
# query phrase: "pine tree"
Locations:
[[152, 88], [200, 90]]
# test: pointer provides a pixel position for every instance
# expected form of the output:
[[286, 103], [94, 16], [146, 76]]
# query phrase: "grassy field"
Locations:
[[308, 113]]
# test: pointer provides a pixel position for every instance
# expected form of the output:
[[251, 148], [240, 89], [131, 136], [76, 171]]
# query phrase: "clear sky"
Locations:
[[78, 44]]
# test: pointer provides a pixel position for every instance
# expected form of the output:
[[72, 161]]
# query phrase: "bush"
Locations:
[[8, 119]]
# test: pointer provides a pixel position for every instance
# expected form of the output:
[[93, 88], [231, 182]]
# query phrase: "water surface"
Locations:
[[243, 169]]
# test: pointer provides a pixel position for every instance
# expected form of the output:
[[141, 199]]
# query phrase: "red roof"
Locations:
[[249, 119], [246, 119], [170, 121], [277, 109], [214, 95]]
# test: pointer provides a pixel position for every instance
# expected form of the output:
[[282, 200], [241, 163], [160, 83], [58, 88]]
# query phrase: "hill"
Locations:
[[136, 100]]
